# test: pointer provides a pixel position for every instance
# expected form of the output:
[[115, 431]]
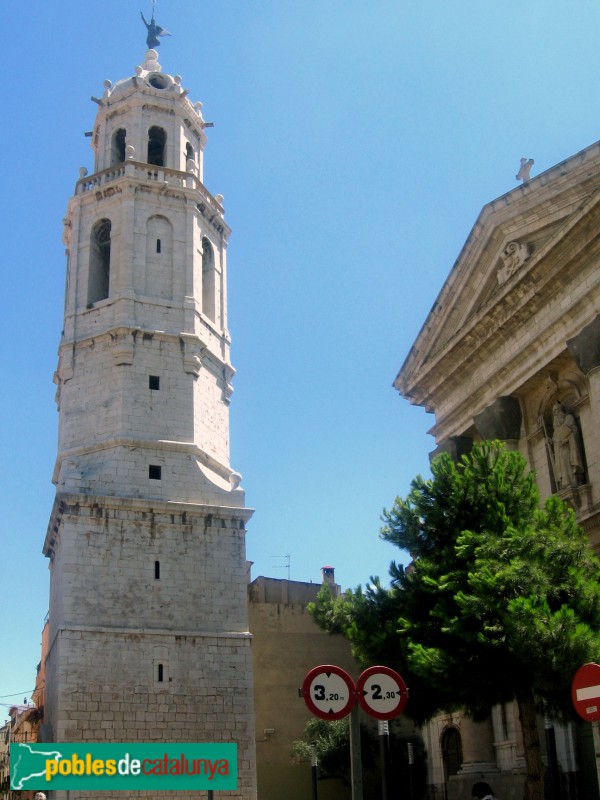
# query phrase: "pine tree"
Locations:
[[501, 600]]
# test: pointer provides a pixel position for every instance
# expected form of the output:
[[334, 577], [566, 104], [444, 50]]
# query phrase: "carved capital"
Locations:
[[123, 347], [192, 364], [67, 232], [228, 373], [501, 420], [456, 446], [192, 348], [585, 347]]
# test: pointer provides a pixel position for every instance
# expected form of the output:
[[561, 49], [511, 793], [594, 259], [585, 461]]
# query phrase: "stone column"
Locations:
[[456, 446], [478, 746]]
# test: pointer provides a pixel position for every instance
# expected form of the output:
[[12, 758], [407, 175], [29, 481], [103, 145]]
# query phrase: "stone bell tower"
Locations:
[[148, 612]]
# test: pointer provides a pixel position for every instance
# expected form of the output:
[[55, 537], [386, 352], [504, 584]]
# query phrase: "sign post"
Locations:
[[330, 694], [356, 777], [383, 727], [314, 765], [585, 693]]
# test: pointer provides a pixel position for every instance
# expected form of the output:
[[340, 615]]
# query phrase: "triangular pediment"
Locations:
[[515, 253], [512, 236]]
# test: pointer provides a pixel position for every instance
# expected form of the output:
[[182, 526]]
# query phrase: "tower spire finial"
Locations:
[[154, 30]]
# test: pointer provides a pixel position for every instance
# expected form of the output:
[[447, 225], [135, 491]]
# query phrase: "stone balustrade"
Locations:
[[145, 172]]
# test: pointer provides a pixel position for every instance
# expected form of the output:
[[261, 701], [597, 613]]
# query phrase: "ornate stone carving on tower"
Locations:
[[148, 613]]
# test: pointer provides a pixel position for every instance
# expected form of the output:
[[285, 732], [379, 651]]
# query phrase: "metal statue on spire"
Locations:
[[154, 30]]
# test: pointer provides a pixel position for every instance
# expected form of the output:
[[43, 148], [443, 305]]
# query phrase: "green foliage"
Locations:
[[332, 743], [332, 740], [502, 598]]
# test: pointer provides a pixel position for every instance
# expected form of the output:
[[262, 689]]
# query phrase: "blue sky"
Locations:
[[355, 145]]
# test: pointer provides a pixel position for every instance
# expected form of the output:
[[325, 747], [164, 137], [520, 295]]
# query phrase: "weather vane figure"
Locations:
[[154, 30]]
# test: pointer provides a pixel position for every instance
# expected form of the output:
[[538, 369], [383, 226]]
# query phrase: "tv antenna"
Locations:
[[287, 565]]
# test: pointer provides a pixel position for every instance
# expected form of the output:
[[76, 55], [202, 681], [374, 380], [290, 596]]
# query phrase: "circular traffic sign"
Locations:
[[585, 692], [329, 692], [382, 693]]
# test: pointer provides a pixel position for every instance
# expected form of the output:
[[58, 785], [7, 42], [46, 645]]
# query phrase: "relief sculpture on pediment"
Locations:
[[514, 255]]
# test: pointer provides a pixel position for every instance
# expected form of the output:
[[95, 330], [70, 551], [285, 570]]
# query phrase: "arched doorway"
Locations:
[[451, 753]]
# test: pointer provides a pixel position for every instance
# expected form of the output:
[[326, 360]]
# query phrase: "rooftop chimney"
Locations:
[[328, 576]]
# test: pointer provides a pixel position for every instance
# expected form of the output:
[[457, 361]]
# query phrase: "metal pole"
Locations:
[[210, 794], [596, 733], [384, 751], [411, 761], [552, 758], [355, 759], [313, 769]]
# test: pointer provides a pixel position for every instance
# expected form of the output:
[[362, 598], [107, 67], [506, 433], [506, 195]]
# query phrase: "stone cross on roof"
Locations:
[[524, 169]]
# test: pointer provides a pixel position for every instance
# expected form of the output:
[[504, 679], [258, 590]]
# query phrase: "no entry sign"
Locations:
[[585, 692]]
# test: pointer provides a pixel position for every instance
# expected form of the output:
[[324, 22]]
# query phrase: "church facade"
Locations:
[[511, 351], [148, 621]]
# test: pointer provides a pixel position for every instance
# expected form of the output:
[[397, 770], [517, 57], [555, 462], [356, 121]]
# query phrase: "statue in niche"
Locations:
[[567, 462]]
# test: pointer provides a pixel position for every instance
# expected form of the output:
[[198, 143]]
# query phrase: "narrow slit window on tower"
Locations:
[[157, 570], [154, 382], [160, 673], [154, 472], [158, 245]]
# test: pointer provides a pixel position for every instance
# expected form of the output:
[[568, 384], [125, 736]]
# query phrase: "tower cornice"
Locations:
[[118, 333], [184, 448], [130, 175]]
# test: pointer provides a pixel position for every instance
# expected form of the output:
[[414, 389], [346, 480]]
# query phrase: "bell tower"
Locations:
[[148, 612]]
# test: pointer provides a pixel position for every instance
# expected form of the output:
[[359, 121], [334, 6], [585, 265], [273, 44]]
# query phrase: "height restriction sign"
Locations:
[[329, 692], [382, 693]]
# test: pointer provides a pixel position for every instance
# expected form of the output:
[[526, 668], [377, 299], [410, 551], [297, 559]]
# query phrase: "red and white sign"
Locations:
[[329, 692], [585, 692], [382, 693]]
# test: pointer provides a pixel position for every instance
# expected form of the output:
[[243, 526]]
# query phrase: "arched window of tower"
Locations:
[[117, 152], [157, 141], [99, 273], [208, 280], [189, 153]]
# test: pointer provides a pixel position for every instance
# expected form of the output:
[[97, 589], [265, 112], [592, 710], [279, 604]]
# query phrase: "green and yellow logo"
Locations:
[[116, 766]]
